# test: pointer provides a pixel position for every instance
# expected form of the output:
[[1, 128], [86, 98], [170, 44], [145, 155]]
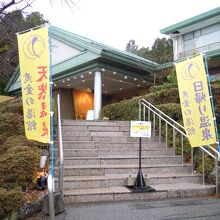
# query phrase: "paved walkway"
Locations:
[[199, 208]]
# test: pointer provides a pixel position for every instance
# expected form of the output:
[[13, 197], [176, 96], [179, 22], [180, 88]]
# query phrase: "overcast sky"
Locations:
[[115, 22]]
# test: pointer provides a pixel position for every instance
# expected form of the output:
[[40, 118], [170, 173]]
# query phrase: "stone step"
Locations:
[[95, 128], [107, 139], [95, 123], [153, 160], [95, 133], [78, 145], [121, 193], [124, 152], [77, 133], [124, 139], [119, 145], [109, 133], [98, 170], [85, 182]]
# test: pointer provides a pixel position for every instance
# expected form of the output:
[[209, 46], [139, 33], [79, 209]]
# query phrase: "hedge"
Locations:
[[18, 166], [10, 200], [163, 87], [128, 109], [19, 157]]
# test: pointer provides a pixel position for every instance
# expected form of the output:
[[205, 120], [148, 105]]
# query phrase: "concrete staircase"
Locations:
[[100, 155]]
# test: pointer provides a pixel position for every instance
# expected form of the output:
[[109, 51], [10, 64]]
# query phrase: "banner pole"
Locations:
[[51, 111], [212, 100]]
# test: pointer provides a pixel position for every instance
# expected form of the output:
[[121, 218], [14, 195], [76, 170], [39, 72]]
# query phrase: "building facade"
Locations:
[[199, 34], [89, 75]]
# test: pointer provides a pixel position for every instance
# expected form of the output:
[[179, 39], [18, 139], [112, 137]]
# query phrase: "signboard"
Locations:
[[195, 102], [140, 129], [34, 61]]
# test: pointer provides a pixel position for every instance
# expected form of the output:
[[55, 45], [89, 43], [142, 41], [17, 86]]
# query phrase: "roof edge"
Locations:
[[198, 18]]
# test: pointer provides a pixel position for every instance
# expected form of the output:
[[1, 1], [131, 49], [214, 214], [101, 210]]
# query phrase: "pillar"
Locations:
[[97, 94]]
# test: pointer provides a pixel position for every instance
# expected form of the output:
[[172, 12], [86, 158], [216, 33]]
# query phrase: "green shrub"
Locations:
[[12, 106], [11, 123], [173, 110], [124, 110], [19, 157], [20, 140], [128, 109], [163, 87], [162, 97], [18, 166], [209, 164], [10, 200]]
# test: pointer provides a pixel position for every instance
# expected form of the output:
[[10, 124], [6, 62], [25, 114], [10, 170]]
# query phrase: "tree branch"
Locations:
[[7, 6]]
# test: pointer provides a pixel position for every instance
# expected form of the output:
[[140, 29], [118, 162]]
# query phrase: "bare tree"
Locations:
[[23, 4], [14, 18]]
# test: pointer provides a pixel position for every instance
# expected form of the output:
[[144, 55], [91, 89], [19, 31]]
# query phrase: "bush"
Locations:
[[11, 123], [18, 166], [20, 140], [10, 200], [173, 110], [162, 97], [163, 87], [19, 157], [124, 110], [12, 106], [128, 109]]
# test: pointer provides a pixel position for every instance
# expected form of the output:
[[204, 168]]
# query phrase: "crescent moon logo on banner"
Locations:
[[33, 47], [190, 71]]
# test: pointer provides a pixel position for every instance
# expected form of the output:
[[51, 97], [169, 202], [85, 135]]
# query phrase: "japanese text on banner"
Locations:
[[195, 101], [34, 63]]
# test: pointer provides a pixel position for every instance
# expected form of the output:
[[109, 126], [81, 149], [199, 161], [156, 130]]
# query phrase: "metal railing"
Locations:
[[60, 149], [149, 112], [206, 48]]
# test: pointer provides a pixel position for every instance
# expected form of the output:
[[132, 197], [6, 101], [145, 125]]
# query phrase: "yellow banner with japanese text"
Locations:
[[195, 101], [34, 61]]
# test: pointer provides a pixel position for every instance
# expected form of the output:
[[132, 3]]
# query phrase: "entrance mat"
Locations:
[[144, 189]]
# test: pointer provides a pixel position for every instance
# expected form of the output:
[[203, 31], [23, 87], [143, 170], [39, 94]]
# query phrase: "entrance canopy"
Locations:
[[75, 60], [90, 75]]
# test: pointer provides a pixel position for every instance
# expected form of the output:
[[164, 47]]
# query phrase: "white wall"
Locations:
[[61, 51]]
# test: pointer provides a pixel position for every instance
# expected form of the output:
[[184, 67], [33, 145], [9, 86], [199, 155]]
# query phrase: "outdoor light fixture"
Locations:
[[103, 69], [74, 77], [143, 81], [63, 81], [43, 158], [90, 72], [135, 79], [68, 79], [83, 80], [68, 84], [55, 84], [138, 85], [82, 76], [114, 73], [103, 84], [125, 77]]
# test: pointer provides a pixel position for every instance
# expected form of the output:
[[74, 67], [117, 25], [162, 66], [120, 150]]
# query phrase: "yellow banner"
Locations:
[[195, 101], [34, 63]]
